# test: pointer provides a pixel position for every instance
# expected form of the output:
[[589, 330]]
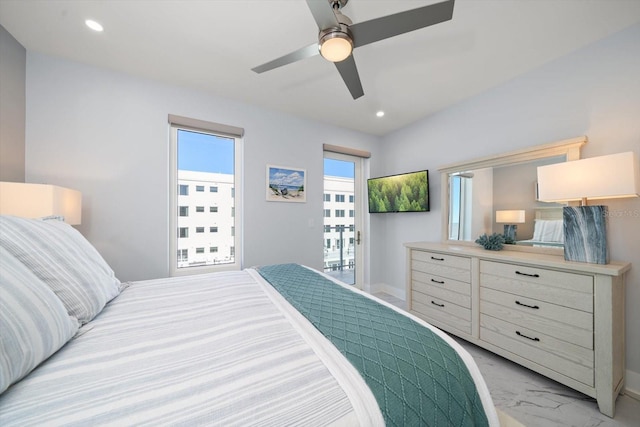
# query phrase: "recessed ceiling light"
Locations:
[[380, 113], [95, 26]]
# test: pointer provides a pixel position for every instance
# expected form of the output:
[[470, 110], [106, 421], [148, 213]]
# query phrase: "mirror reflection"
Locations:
[[503, 199]]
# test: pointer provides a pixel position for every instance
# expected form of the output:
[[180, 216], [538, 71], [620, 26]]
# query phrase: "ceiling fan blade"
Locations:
[[303, 53], [323, 14], [349, 73], [400, 23]]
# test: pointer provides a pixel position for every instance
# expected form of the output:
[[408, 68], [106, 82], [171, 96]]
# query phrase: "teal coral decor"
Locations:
[[492, 243]]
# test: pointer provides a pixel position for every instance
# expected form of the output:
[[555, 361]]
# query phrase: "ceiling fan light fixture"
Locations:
[[335, 45]]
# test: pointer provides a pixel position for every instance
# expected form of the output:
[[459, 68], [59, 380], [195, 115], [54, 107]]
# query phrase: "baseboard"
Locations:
[[632, 384], [393, 291]]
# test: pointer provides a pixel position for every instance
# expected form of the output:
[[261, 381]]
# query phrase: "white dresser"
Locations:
[[562, 319]]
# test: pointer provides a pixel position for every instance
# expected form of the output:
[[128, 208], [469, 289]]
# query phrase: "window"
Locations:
[[352, 213], [327, 229], [327, 197], [351, 199], [327, 213], [328, 243], [207, 157], [183, 255], [352, 228], [339, 197], [339, 213]]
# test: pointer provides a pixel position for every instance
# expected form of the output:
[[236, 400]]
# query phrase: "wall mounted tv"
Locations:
[[407, 192]]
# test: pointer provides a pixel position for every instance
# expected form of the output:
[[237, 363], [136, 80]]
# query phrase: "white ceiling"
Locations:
[[212, 45]]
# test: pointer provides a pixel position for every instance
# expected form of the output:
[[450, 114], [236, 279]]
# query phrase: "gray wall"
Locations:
[[594, 91], [13, 58], [106, 134]]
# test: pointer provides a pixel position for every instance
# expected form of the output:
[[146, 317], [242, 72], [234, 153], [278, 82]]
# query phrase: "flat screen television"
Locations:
[[407, 192]]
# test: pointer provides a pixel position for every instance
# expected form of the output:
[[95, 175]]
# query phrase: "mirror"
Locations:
[[498, 194]]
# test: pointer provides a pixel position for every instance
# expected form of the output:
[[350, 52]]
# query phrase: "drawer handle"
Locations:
[[440, 282], [529, 338], [437, 259], [435, 303], [535, 307], [527, 274]]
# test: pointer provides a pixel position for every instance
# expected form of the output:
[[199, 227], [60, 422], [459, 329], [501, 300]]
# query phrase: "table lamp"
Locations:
[[510, 219], [40, 200], [605, 177]]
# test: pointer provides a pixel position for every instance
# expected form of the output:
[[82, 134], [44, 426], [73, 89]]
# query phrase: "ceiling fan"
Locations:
[[338, 36]]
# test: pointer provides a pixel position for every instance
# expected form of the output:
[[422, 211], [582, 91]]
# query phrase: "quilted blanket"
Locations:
[[415, 376]]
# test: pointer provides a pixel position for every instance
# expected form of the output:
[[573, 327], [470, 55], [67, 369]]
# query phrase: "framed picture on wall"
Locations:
[[285, 184]]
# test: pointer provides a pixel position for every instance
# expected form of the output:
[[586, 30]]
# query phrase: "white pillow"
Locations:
[[62, 258], [548, 231], [33, 322]]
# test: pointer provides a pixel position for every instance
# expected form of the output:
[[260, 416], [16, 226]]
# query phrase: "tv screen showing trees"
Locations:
[[408, 192]]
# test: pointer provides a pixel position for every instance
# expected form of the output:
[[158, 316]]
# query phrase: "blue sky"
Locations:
[[208, 153], [204, 153], [338, 168]]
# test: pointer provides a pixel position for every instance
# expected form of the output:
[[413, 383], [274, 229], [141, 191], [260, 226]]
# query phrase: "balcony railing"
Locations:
[[339, 255]]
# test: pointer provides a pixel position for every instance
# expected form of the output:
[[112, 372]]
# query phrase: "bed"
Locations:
[[548, 228], [269, 345]]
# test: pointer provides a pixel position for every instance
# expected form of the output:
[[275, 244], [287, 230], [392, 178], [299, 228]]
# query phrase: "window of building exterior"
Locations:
[[206, 156], [328, 243], [351, 198], [339, 213], [352, 213], [352, 228], [327, 228], [327, 213], [327, 197], [340, 198]]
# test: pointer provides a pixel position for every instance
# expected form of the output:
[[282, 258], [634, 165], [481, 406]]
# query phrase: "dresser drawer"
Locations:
[[447, 295], [451, 315], [561, 288], [566, 324], [560, 356], [449, 266], [432, 280]]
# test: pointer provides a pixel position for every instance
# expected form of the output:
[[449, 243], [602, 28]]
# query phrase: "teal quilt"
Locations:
[[415, 376]]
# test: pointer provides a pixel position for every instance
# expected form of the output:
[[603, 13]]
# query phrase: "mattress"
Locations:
[[215, 349]]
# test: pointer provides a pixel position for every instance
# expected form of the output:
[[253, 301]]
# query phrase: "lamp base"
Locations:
[[510, 231], [585, 234]]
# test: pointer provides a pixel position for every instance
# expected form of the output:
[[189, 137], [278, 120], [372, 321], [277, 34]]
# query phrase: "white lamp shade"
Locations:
[[605, 177], [510, 217], [40, 200]]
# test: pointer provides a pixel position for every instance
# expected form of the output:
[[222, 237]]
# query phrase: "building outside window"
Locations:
[[339, 213], [340, 198], [327, 197], [327, 213], [211, 163]]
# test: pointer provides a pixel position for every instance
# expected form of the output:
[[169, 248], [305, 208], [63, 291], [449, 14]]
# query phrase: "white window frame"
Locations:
[[194, 125]]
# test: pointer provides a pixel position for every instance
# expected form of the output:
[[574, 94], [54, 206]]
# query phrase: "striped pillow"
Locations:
[[62, 258], [33, 322]]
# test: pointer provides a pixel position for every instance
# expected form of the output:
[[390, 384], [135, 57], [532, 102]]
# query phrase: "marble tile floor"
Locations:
[[536, 401]]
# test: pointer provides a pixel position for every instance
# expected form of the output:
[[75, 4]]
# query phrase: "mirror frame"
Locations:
[[570, 148]]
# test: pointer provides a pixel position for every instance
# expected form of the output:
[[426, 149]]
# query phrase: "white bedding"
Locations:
[[210, 349]]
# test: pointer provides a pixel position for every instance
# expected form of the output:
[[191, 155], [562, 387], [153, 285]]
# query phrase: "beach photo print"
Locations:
[[286, 184]]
